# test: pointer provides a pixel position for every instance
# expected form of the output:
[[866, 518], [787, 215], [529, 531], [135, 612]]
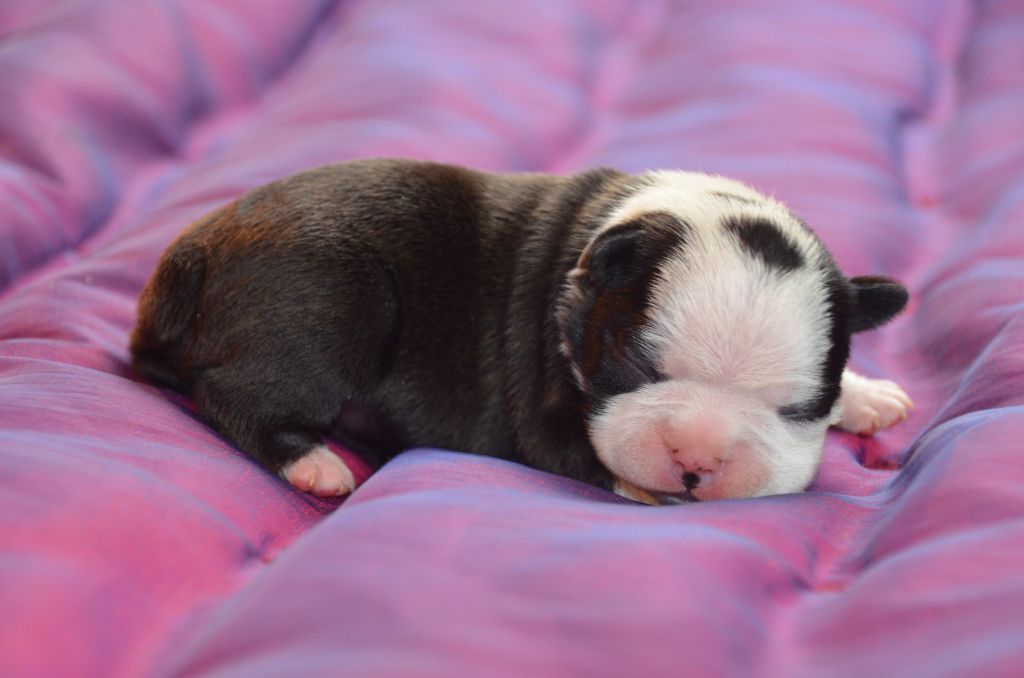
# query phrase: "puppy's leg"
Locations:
[[867, 406], [299, 334], [278, 425]]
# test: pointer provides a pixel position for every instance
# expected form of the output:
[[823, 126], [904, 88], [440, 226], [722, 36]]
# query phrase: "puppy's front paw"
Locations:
[[320, 472], [869, 405]]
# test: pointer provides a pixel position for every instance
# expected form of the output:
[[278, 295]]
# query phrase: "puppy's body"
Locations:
[[420, 293], [526, 316]]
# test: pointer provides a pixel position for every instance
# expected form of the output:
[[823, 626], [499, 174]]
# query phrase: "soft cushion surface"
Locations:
[[135, 542]]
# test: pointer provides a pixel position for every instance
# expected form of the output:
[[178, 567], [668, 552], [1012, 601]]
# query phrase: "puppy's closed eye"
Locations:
[[791, 412], [634, 359], [802, 412], [625, 368]]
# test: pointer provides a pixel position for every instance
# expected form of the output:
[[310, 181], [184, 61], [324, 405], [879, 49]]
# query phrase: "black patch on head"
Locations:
[[618, 270], [762, 238]]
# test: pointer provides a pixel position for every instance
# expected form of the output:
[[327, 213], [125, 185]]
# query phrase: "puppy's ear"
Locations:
[[611, 258], [615, 257], [876, 300]]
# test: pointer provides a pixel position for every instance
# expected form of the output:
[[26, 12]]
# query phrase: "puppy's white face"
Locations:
[[708, 329], [738, 329]]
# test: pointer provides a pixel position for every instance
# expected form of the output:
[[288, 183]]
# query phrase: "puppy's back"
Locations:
[[417, 220]]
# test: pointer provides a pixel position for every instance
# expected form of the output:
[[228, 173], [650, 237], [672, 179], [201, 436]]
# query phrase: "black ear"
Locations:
[[612, 258], [876, 300], [617, 256]]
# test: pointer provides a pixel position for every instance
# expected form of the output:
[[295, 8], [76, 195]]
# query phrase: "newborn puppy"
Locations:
[[672, 336]]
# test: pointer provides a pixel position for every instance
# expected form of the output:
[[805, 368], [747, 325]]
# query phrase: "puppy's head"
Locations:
[[708, 329]]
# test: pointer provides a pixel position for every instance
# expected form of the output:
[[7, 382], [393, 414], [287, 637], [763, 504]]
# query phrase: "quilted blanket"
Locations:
[[135, 542]]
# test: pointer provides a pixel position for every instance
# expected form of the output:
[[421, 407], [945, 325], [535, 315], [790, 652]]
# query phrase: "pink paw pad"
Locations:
[[320, 472]]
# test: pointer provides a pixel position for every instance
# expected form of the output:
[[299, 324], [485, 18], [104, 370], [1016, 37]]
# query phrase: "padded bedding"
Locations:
[[133, 541]]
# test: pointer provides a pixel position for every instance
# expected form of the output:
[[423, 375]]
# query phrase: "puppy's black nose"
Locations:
[[690, 480]]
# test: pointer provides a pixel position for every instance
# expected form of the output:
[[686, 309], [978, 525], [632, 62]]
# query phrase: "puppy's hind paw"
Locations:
[[320, 472], [869, 405]]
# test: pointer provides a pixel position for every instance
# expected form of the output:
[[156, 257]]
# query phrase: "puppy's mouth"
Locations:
[[690, 482], [685, 497]]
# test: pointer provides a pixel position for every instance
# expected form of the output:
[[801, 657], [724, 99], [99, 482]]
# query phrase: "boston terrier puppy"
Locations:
[[672, 336]]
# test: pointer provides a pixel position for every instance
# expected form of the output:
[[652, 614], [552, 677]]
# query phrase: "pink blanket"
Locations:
[[135, 542]]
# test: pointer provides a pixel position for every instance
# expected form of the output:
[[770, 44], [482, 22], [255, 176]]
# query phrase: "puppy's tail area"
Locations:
[[167, 308]]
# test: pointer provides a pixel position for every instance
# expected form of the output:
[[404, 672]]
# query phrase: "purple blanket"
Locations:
[[136, 542]]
